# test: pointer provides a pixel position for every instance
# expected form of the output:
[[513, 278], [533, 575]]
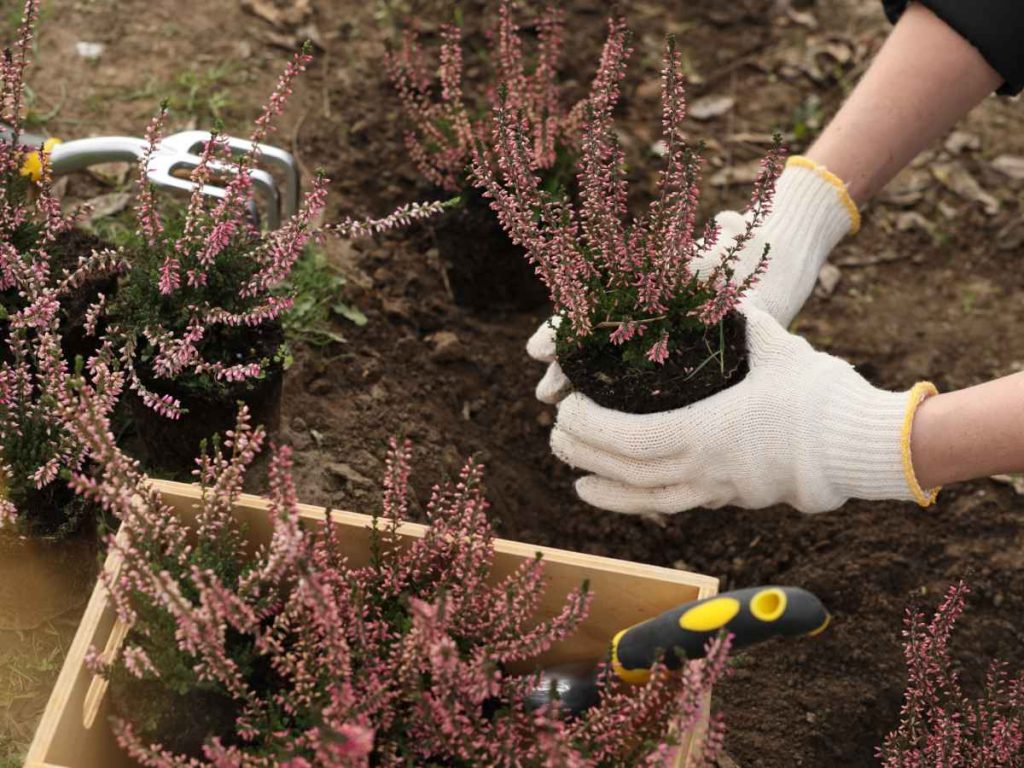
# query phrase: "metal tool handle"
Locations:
[[750, 615], [26, 140]]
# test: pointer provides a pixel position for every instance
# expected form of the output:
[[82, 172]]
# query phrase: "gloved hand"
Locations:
[[803, 428], [810, 214]]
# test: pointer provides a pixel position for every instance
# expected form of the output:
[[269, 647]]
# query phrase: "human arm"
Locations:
[[969, 433], [924, 79]]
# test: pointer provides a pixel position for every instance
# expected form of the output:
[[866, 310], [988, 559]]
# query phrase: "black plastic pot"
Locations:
[[170, 446]]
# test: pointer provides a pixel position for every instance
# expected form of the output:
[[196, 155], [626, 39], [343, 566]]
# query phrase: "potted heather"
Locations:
[[484, 269], [197, 322], [639, 327], [39, 284], [25, 226], [46, 536], [231, 630]]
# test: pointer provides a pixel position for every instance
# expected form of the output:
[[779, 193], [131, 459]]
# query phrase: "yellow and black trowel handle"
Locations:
[[750, 615]]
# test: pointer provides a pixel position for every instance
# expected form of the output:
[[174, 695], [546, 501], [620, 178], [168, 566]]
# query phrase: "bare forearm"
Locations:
[[974, 432], [924, 79]]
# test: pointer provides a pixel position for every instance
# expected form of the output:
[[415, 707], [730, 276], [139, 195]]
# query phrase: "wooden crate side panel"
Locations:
[[62, 740]]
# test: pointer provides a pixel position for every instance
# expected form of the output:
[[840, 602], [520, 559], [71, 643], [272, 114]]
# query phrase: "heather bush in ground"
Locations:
[[207, 288], [37, 444], [941, 725], [622, 282], [291, 656], [446, 122]]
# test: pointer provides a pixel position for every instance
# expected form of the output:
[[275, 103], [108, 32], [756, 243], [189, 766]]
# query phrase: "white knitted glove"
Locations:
[[810, 214], [803, 427]]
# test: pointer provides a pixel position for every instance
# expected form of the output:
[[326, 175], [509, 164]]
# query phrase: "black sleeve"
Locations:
[[994, 27]]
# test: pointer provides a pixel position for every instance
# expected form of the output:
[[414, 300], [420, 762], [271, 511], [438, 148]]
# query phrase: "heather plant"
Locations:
[[202, 303], [941, 726], [37, 444], [291, 656], [446, 124], [626, 286]]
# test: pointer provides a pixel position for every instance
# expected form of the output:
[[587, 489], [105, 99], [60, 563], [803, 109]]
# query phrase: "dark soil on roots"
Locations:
[[688, 376]]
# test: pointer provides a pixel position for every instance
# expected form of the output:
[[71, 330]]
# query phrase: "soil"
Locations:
[[931, 287], [493, 272], [685, 378]]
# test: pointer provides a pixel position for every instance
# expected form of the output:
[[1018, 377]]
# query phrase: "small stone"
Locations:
[[89, 51], [447, 347], [710, 107], [320, 387], [545, 419], [347, 474]]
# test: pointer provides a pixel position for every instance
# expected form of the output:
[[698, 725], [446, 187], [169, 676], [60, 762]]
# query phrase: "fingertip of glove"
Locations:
[[541, 345], [554, 385]]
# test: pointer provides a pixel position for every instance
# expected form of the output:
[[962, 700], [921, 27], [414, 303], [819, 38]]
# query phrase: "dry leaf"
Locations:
[[907, 188], [1010, 165], [868, 260], [957, 179], [107, 205], [710, 107], [745, 173], [1015, 481], [803, 18], [958, 141], [913, 220], [1011, 237], [293, 14]]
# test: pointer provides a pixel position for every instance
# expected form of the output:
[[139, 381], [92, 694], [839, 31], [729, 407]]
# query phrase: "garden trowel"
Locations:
[[175, 156], [749, 615]]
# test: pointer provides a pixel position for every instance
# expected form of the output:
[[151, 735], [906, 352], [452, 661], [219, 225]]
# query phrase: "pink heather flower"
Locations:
[[215, 242], [440, 142], [659, 352], [608, 273], [397, 661], [940, 725], [37, 442]]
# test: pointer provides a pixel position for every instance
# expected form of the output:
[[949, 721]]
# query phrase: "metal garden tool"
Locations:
[[169, 166], [750, 615]]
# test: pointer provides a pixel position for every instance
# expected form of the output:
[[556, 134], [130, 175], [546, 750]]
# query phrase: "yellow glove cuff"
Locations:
[[918, 394], [799, 161]]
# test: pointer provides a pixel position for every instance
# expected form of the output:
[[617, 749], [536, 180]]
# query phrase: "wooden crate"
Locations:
[[73, 732]]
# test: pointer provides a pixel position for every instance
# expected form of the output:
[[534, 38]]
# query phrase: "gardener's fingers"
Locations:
[[645, 436], [541, 346], [651, 473], [619, 497], [730, 224], [554, 386]]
